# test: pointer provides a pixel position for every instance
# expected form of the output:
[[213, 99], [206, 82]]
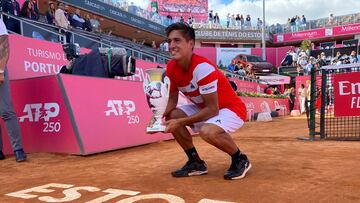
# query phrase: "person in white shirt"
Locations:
[[60, 18], [302, 97], [6, 109]]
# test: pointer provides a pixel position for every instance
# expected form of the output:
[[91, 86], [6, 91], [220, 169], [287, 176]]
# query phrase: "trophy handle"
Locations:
[[167, 84], [146, 82]]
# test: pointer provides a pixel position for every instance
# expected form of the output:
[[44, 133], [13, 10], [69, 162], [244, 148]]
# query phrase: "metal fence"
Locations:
[[322, 120]]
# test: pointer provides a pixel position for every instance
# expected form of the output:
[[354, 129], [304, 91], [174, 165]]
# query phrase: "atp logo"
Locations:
[[122, 108], [36, 112]]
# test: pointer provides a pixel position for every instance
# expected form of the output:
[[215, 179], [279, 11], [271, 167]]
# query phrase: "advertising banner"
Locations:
[[228, 35], [207, 52], [224, 56], [347, 94], [118, 14], [113, 118], [275, 79], [318, 33], [198, 9], [33, 58], [43, 117], [298, 36], [346, 29], [246, 86], [254, 104]]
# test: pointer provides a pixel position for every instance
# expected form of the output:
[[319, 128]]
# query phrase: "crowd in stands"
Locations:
[[305, 63], [58, 15], [28, 10]]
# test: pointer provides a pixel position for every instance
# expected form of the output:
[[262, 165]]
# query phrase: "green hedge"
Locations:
[[254, 94]]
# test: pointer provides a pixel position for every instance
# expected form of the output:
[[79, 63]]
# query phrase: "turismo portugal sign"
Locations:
[[347, 94]]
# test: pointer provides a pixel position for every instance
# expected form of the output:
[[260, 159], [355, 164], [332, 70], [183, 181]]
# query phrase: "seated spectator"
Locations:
[[87, 24], [241, 71], [353, 57], [50, 14], [77, 21], [95, 24], [11, 7], [27, 11], [288, 60]]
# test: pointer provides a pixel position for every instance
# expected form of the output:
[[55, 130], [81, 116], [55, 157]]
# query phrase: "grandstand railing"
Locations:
[[273, 29], [44, 31], [316, 24]]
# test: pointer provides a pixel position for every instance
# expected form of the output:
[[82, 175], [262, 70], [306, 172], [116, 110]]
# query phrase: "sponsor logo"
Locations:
[[36, 112], [208, 88], [45, 113], [121, 108]]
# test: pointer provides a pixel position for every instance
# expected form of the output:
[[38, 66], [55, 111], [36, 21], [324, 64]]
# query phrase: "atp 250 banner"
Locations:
[[347, 94]]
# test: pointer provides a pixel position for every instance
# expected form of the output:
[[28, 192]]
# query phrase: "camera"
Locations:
[[71, 51], [100, 62]]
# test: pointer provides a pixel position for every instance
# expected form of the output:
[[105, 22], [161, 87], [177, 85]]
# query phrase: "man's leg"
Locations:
[[8, 115], [215, 132], [194, 166], [181, 135]]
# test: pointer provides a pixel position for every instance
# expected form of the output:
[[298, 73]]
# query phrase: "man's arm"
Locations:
[[172, 102], [4, 51]]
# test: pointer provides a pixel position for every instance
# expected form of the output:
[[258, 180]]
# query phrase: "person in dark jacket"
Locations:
[[11, 7]]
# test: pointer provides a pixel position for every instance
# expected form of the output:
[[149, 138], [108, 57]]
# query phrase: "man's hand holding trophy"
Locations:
[[157, 89]]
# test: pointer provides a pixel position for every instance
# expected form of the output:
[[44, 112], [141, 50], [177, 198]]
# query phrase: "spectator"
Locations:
[[291, 98], [259, 24], [60, 17], [169, 19], [153, 45], [27, 11], [288, 60], [77, 21], [303, 22], [87, 24], [302, 97], [36, 9], [190, 21], [50, 14], [248, 22], [6, 108], [211, 17], [182, 19], [353, 57], [228, 19], [166, 46], [11, 7], [216, 19], [95, 24], [238, 22], [331, 19]]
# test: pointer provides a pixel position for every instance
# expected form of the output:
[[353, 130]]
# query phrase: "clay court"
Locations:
[[284, 170]]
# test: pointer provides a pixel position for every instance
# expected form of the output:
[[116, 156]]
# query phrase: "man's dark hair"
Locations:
[[187, 31]]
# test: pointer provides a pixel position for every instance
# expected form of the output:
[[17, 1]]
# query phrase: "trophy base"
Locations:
[[155, 129]]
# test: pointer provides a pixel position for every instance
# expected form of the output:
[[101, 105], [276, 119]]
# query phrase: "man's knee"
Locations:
[[175, 113], [208, 132]]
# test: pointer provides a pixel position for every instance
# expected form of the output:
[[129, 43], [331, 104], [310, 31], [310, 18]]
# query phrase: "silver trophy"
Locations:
[[157, 89]]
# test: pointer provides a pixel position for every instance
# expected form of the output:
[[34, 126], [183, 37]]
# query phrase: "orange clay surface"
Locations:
[[284, 170]]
